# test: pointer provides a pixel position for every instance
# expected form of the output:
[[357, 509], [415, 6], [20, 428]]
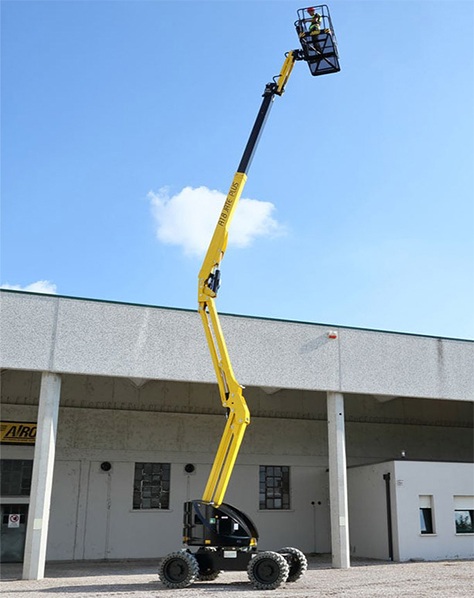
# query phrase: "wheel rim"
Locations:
[[266, 571], [176, 570]]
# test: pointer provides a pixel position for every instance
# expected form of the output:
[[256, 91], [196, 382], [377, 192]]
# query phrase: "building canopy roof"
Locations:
[[77, 336]]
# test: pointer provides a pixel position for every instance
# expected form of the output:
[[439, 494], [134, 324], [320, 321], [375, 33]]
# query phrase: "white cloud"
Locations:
[[40, 286], [188, 219]]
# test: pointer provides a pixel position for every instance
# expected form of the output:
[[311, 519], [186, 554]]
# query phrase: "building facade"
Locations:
[[139, 421], [431, 507]]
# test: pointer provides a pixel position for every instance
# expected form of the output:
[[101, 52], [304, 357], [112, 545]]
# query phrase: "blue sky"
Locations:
[[123, 121]]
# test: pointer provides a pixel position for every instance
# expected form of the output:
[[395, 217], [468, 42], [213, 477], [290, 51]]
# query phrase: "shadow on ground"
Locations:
[[71, 569], [130, 589]]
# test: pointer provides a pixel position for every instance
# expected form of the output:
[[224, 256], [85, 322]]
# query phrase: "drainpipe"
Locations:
[[386, 477]]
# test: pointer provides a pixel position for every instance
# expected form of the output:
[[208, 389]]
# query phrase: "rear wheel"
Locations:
[[297, 561], [208, 575], [268, 570], [206, 571], [178, 570]]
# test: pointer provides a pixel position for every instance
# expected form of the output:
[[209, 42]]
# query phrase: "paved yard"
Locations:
[[138, 579]]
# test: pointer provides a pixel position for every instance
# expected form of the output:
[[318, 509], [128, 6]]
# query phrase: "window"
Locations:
[[151, 487], [274, 487], [426, 521], [426, 514], [464, 521], [464, 514], [16, 477]]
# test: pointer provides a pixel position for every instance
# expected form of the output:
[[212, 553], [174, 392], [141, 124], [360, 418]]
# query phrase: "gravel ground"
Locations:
[[138, 579]]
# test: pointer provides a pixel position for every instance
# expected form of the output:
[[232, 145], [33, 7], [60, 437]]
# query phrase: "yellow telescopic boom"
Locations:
[[238, 415]]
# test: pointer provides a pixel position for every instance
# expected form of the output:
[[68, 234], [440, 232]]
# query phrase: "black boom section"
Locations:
[[268, 97], [208, 525]]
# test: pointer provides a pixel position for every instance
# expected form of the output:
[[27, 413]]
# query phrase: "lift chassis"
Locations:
[[225, 538]]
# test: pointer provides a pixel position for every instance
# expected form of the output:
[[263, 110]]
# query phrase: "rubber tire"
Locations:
[[208, 576], [213, 573], [178, 570], [299, 564], [268, 570]]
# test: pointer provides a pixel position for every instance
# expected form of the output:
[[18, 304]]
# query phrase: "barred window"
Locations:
[[15, 475], [151, 487], [274, 487]]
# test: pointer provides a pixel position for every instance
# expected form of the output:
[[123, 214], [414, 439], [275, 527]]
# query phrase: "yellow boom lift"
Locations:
[[225, 536]]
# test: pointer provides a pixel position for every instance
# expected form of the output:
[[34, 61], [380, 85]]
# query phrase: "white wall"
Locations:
[[410, 479], [111, 529], [368, 522], [443, 481], [62, 535], [106, 419], [91, 512]]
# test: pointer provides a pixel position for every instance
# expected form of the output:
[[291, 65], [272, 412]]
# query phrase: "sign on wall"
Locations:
[[17, 432], [14, 520]]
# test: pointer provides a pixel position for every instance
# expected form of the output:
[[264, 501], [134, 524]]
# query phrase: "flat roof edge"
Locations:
[[401, 460], [250, 317]]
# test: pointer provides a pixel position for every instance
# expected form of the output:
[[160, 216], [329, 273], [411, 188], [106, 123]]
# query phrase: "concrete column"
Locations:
[[338, 482], [42, 480]]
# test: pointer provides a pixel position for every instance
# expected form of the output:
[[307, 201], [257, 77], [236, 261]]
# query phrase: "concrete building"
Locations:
[[126, 401], [431, 504]]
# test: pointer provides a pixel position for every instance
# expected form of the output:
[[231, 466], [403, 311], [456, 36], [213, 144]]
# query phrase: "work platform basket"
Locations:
[[317, 38]]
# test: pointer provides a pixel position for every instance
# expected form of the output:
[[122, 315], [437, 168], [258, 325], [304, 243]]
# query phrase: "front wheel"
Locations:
[[297, 561], [268, 570], [178, 570]]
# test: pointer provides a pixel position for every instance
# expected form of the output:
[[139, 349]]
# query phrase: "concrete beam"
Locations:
[[42, 479], [75, 336], [338, 482]]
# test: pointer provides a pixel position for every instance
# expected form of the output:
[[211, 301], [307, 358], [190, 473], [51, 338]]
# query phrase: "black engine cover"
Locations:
[[208, 525]]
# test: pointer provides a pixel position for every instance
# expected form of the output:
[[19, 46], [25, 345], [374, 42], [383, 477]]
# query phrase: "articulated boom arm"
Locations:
[[238, 415]]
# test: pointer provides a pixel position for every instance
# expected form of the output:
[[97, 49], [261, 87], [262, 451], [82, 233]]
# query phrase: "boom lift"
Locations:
[[225, 537]]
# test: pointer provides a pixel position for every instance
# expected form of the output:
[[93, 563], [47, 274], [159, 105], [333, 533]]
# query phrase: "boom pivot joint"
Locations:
[[214, 281]]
